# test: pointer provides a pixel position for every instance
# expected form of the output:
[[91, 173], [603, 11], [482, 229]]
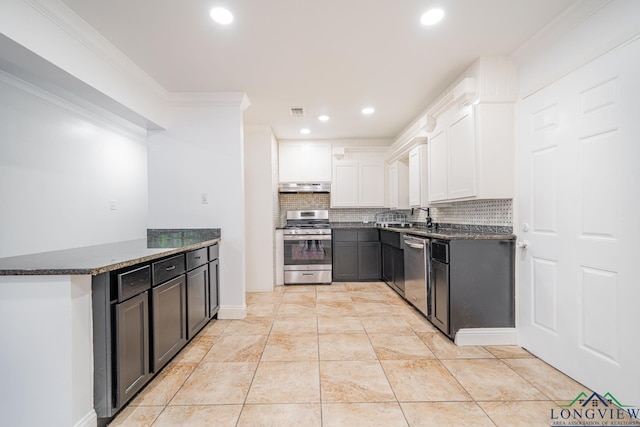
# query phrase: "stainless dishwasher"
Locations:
[[416, 271]]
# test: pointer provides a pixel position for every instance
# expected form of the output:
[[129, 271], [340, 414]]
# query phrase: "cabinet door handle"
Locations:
[[197, 257], [173, 267], [307, 274]]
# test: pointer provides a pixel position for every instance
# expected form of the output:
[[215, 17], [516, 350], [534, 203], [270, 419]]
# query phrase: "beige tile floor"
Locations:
[[346, 354]]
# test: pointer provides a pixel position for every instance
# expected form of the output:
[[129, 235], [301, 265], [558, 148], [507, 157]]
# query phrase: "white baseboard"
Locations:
[[89, 420], [233, 312], [487, 336]]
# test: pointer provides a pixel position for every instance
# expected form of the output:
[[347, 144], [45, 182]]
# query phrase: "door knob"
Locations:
[[523, 244]]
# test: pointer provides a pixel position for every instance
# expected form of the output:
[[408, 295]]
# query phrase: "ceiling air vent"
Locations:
[[296, 111]]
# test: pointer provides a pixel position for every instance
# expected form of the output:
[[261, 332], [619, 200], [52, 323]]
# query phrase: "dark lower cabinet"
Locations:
[[440, 296], [356, 255], [132, 346], [345, 261], [169, 320], [143, 315], [214, 287], [393, 267], [369, 261], [197, 300]]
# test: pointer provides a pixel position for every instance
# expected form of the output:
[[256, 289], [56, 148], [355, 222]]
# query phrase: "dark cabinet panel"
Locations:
[[356, 255], [391, 238], [482, 284], [214, 252], [197, 300], [368, 235], [345, 261], [369, 260], [393, 266], [214, 287], [387, 264], [132, 346], [169, 320], [345, 235], [440, 296]]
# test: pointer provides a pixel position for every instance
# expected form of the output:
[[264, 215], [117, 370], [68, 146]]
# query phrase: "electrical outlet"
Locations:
[[204, 198], [112, 205]]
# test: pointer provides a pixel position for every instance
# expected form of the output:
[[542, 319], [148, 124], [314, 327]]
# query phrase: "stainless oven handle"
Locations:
[[307, 237]]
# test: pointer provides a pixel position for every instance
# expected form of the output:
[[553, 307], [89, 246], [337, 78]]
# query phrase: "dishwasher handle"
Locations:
[[413, 245]]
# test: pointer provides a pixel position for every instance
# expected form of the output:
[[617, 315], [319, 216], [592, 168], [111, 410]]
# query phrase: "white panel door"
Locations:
[[579, 210], [371, 184]]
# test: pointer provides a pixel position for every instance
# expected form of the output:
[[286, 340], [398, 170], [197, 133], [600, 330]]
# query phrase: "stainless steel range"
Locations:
[[307, 247]]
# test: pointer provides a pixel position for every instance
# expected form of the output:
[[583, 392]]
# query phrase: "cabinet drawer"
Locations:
[[214, 252], [133, 282], [168, 269], [196, 258], [345, 235], [368, 235]]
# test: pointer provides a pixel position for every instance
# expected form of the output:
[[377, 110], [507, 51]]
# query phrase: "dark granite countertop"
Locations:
[[481, 233], [447, 234], [342, 225], [98, 259]]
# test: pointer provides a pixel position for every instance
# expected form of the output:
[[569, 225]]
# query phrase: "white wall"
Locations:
[[59, 169], [259, 149], [46, 362], [202, 152]]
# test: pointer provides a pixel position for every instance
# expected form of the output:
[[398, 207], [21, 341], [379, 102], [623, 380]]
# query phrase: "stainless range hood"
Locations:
[[304, 187]]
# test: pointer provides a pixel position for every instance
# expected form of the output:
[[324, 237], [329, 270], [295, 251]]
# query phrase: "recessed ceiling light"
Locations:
[[368, 110], [305, 131], [432, 17], [221, 15], [323, 118]]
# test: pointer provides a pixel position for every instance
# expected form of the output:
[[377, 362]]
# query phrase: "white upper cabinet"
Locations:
[[371, 184], [318, 162], [471, 153], [399, 185], [304, 162], [470, 138], [358, 180], [462, 155], [344, 186], [418, 176], [438, 169]]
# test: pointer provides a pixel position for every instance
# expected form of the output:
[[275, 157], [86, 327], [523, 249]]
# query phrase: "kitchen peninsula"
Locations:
[[47, 304]]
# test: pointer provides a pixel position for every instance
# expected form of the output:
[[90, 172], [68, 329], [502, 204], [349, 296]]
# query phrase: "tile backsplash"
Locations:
[[301, 201], [473, 212], [497, 212]]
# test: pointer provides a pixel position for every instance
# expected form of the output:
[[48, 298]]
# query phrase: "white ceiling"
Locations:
[[330, 57]]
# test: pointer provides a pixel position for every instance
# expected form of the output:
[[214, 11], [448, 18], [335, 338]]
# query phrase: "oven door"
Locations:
[[309, 250]]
